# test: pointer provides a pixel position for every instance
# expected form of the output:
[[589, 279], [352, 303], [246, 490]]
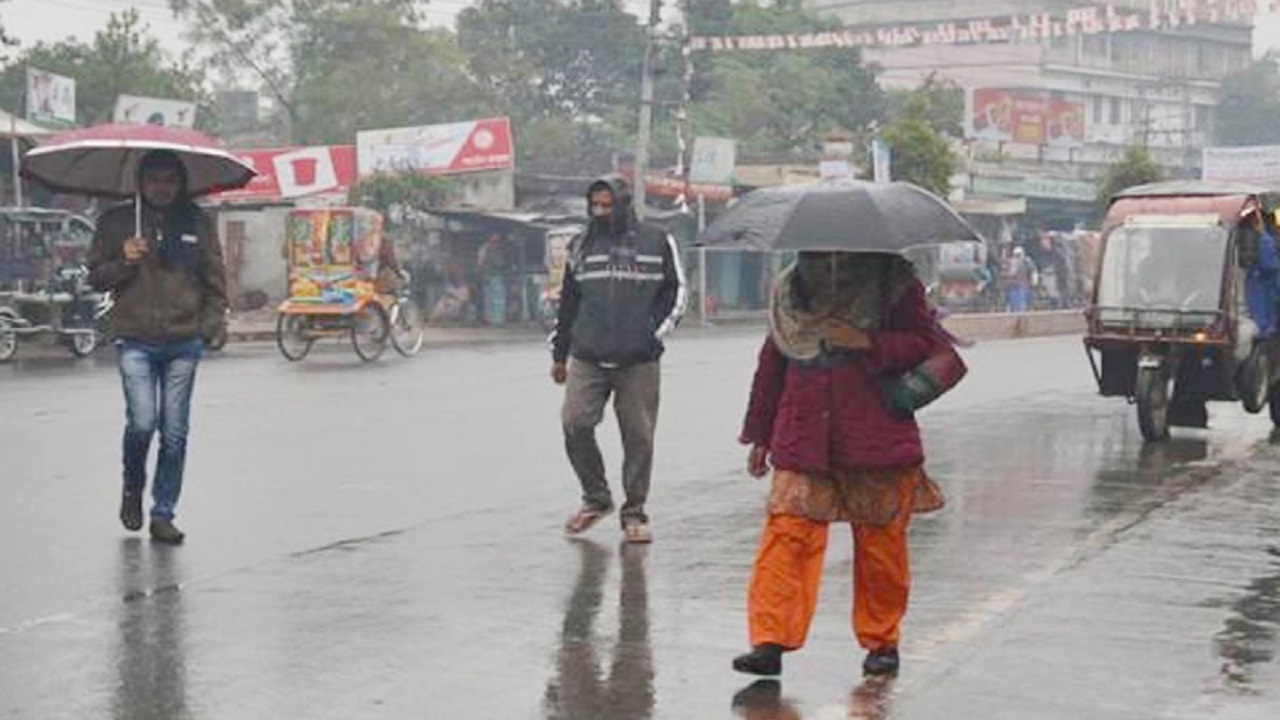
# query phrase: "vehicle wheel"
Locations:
[[1253, 381], [8, 339], [83, 343], [1273, 404], [407, 332], [370, 329], [1151, 391], [291, 337]]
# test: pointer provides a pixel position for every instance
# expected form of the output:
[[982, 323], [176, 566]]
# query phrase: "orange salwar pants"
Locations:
[[788, 571]]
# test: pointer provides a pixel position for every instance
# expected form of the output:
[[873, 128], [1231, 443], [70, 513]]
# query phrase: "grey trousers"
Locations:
[[635, 402]]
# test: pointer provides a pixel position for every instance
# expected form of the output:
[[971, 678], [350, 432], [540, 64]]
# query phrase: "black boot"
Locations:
[[163, 530], [764, 659], [131, 510], [881, 662]]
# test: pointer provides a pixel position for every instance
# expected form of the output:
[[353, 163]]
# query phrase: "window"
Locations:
[[1115, 111], [1095, 52], [1201, 119]]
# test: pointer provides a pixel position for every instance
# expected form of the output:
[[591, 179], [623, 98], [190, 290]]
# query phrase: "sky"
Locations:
[[30, 21]]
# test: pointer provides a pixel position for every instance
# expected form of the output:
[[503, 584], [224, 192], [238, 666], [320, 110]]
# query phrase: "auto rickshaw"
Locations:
[[43, 280], [1184, 306]]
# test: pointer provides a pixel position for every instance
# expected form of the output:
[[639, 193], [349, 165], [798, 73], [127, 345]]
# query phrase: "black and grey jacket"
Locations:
[[623, 291]]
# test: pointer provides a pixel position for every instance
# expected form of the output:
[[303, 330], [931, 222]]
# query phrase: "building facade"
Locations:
[[1155, 81]]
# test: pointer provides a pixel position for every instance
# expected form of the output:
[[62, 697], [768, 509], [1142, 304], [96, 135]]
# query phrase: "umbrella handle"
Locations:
[[137, 214]]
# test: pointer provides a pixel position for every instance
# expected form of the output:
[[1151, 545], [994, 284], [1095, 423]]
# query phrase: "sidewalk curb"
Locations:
[[986, 326]]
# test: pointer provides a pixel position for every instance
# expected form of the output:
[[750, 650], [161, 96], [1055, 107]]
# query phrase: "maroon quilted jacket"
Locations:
[[813, 416]]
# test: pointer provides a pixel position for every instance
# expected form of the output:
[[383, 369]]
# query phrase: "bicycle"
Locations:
[[407, 329]]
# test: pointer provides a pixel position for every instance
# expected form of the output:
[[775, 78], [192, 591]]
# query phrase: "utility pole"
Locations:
[[646, 108]]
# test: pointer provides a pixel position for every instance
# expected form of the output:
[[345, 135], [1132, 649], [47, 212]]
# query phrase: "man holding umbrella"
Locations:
[[159, 255], [161, 258]]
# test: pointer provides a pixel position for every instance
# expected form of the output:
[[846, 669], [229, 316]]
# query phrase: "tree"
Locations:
[[364, 67], [338, 66], [238, 37], [1137, 167], [1250, 105], [124, 58], [5, 40], [943, 100], [921, 154], [778, 103], [391, 193], [576, 59]]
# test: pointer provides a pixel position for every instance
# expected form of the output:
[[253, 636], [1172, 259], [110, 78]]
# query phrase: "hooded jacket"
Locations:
[[623, 288], [177, 291]]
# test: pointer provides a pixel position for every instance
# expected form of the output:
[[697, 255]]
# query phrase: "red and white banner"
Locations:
[[286, 173], [473, 146], [1084, 20], [668, 186]]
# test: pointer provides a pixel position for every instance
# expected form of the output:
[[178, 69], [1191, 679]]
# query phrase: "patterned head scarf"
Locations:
[[853, 288]]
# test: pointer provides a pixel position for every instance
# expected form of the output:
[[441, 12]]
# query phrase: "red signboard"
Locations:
[[286, 173]]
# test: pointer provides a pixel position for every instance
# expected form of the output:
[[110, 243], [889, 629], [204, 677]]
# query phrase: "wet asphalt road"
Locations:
[[383, 542]]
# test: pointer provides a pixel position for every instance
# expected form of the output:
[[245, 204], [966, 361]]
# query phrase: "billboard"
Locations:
[[1011, 116], [472, 146], [1257, 164], [287, 173], [51, 98], [155, 111], [713, 160]]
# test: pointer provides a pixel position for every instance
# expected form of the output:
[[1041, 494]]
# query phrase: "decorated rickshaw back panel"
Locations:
[[333, 254]]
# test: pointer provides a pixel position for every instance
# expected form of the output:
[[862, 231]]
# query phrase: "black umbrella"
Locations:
[[846, 215]]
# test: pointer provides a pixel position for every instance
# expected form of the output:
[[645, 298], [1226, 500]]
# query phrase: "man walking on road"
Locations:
[[623, 291], [170, 296]]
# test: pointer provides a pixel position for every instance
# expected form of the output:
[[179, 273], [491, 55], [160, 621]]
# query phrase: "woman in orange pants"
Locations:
[[841, 325]]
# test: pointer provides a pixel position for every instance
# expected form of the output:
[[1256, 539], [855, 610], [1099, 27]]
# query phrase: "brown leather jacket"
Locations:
[[174, 293]]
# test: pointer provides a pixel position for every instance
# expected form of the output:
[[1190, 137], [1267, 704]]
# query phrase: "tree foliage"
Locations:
[[5, 41], [943, 101], [365, 67], [921, 154], [576, 59], [1136, 167], [778, 103], [123, 58], [387, 192], [1250, 106], [338, 66]]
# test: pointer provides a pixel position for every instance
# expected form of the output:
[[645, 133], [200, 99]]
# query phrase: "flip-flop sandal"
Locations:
[[584, 520]]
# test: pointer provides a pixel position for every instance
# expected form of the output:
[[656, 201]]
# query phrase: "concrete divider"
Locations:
[[1006, 326]]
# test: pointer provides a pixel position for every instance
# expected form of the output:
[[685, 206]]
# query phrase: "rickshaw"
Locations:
[[43, 288], [333, 266], [1184, 306], [955, 274]]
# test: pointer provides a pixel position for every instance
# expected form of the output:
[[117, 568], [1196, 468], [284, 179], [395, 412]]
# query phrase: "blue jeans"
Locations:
[[1018, 298], [158, 380]]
